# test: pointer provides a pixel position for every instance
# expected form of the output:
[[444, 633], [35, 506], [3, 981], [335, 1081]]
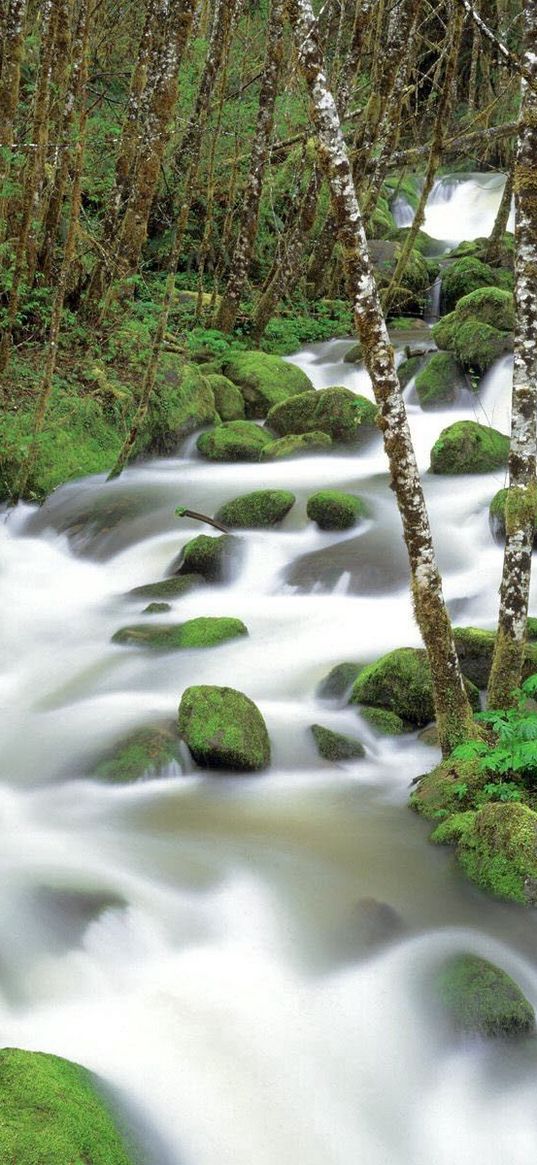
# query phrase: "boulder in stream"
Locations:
[[223, 729], [184, 402], [497, 516], [440, 382], [262, 508], [295, 445], [475, 649], [228, 397], [338, 412], [53, 1112], [332, 509], [336, 746], [482, 999], [496, 845], [339, 681], [383, 722], [168, 588], [401, 682], [145, 752], [479, 330], [211, 558], [206, 631], [466, 274], [468, 447], [233, 441], [264, 380]]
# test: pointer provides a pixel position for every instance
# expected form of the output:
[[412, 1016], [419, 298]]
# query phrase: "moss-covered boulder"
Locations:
[[479, 331], [383, 722], [339, 681], [450, 788], [468, 447], [211, 558], [496, 845], [490, 305], [475, 648], [146, 752], [223, 729], [497, 515], [440, 381], [332, 509], [401, 682], [462, 276], [409, 369], [156, 608], [54, 1112], [354, 355], [335, 411], [481, 999], [336, 746], [264, 380], [183, 402], [263, 507], [202, 632], [228, 398], [296, 445], [168, 588], [233, 441]]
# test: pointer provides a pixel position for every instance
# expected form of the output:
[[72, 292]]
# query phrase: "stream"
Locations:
[[246, 961]]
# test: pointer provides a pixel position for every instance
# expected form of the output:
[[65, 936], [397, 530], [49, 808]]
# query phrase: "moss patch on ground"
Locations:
[[223, 729], [201, 632]]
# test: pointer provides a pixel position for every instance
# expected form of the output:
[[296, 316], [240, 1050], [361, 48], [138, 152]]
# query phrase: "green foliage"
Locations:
[[515, 741]]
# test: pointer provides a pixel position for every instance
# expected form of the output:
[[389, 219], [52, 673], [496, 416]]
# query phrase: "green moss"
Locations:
[[228, 398], [531, 628], [169, 588], [212, 558], [333, 510], [146, 752], [482, 999], [335, 746], [453, 828], [475, 648], [233, 441], [384, 722], [440, 381], [295, 445], [156, 608], [223, 729], [263, 507], [338, 412], [499, 853], [53, 1114], [468, 447], [450, 788], [400, 682], [339, 681], [409, 369], [464, 276], [201, 632], [264, 380], [497, 512], [480, 328], [491, 306], [183, 402], [423, 242], [354, 355], [478, 249]]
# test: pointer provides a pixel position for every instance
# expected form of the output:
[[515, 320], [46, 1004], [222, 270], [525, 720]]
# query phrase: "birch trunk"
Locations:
[[522, 496], [454, 715], [12, 50]]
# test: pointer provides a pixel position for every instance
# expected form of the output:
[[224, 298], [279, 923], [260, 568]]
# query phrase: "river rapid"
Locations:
[[246, 961]]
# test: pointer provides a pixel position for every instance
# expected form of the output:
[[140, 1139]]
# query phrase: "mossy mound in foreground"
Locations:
[[440, 382], [228, 398], [468, 274], [183, 402], [211, 558], [497, 848], [146, 752], [482, 999], [332, 509], [336, 746], [296, 445], [468, 447], [223, 729], [53, 1114], [233, 441], [400, 682], [201, 632], [338, 412], [263, 507], [497, 515], [264, 380]]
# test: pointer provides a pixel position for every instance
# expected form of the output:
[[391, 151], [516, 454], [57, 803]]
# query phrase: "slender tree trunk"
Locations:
[[493, 251], [521, 504], [454, 715], [12, 50], [247, 232]]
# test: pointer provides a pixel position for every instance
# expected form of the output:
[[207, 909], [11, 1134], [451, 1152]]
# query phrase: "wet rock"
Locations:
[[440, 382], [168, 588], [496, 845], [332, 509], [481, 999], [295, 446], [384, 722], [338, 412], [227, 397], [184, 402], [497, 516], [264, 380], [223, 729], [339, 681], [409, 369], [376, 923], [465, 275], [145, 752], [66, 914], [479, 330], [475, 649], [54, 1112], [214, 559], [354, 355], [374, 563], [401, 682], [156, 608], [201, 632], [262, 508], [96, 523], [233, 441], [468, 447], [336, 746]]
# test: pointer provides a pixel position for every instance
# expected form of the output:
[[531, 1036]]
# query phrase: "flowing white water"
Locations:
[[209, 945]]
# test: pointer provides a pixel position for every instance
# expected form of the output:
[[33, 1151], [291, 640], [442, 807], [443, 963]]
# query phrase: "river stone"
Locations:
[[336, 746], [145, 752], [409, 369], [376, 923], [482, 999], [233, 441], [201, 632], [375, 564], [497, 516], [168, 588], [440, 382], [156, 608], [468, 447], [497, 849], [211, 558], [401, 682], [332, 509], [383, 722], [223, 729], [263, 507], [227, 397], [184, 402], [475, 648], [339, 681], [97, 520], [264, 380], [295, 445], [338, 412], [54, 1112], [462, 276]]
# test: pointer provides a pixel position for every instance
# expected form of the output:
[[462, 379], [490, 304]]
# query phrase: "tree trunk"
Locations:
[[454, 715], [522, 496], [12, 49], [493, 251]]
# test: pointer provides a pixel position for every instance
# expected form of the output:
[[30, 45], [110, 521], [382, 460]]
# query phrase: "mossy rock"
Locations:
[[332, 509], [451, 787], [335, 746], [383, 722], [228, 397], [468, 447], [183, 402], [481, 999], [54, 1113], [440, 382], [233, 441], [339, 681], [223, 729], [338, 412], [478, 249], [423, 242], [463, 276], [202, 632], [401, 682], [531, 627], [169, 588], [354, 355], [264, 380], [212, 559], [146, 752], [479, 331], [409, 369], [156, 608], [475, 648], [263, 507], [296, 445], [497, 516], [495, 846], [490, 305]]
